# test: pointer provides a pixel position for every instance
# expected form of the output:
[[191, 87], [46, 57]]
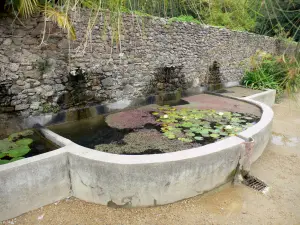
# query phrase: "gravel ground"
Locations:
[[279, 167]]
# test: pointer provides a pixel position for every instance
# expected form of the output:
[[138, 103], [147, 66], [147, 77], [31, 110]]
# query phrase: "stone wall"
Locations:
[[46, 73]]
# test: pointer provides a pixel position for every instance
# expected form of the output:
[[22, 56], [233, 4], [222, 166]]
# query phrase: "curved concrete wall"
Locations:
[[152, 179], [124, 180]]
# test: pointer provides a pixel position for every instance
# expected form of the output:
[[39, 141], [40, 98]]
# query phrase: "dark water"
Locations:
[[90, 132], [40, 144]]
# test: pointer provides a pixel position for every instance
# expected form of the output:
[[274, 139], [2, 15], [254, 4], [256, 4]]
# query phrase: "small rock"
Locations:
[[4, 59], [38, 90], [108, 82], [20, 82], [49, 93], [21, 107], [7, 41], [35, 105], [32, 74], [17, 41], [107, 68], [14, 67], [59, 87], [47, 87]]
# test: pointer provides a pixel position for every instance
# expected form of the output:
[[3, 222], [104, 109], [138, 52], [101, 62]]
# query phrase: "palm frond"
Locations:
[[27, 7], [61, 19]]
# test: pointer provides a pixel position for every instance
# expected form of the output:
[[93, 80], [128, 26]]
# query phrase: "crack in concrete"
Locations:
[[69, 175]]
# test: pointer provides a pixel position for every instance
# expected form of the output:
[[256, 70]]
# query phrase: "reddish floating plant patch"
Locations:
[[130, 119]]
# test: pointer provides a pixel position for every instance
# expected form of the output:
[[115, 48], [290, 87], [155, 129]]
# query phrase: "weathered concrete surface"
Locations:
[[267, 97], [33, 182], [260, 132], [124, 180], [150, 180], [279, 167]]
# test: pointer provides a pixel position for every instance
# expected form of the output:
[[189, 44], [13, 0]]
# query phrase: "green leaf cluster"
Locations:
[[192, 125], [280, 73], [15, 146]]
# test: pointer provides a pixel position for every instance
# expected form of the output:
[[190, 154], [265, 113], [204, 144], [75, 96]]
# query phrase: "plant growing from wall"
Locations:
[[268, 17]]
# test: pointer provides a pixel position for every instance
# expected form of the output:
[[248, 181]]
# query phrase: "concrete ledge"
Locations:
[[33, 182], [267, 97], [125, 180], [260, 132]]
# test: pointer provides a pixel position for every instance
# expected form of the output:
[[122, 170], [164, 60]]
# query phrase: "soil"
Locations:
[[279, 167]]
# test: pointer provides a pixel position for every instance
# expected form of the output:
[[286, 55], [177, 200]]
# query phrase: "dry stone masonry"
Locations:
[[45, 73]]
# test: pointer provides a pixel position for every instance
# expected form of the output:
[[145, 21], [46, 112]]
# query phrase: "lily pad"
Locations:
[[2, 155], [15, 159], [4, 161], [190, 134], [6, 145], [18, 152], [24, 142], [214, 135], [185, 140], [198, 138], [204, 131], [16, 136]]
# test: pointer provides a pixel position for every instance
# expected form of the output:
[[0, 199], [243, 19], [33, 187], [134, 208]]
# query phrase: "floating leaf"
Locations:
[[187, 124], [15, 159], [6, 145], [18, 152], [199, 138], [155, 113], [190, 134], [3, 161], [2, 155], [16, 136], [204, 131], [185, 140], [24, 142], [214, 135]]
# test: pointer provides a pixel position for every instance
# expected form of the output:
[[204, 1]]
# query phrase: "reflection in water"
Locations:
[[283, 140]]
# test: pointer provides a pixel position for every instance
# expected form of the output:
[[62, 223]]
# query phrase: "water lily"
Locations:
[[221, 113], [228, 127], [166, 116]]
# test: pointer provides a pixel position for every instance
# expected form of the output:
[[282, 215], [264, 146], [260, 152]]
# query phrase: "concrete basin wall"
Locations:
[[260, 132], [33, 182], [267, 97], [150, 180], [125, 180]]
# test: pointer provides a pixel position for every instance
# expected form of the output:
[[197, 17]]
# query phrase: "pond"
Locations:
[[154, 129], [24, 144]]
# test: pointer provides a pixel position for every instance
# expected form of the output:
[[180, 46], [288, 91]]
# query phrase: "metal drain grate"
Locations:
[[256, 184]]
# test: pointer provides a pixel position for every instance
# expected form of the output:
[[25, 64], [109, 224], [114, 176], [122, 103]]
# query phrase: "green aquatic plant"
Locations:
[[15, 146], [193, 125]]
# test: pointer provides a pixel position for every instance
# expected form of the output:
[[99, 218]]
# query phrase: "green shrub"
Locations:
[[183, 18], [281, 73]]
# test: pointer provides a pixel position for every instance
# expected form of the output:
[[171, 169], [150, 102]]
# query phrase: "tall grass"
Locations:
[[281, 73]]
